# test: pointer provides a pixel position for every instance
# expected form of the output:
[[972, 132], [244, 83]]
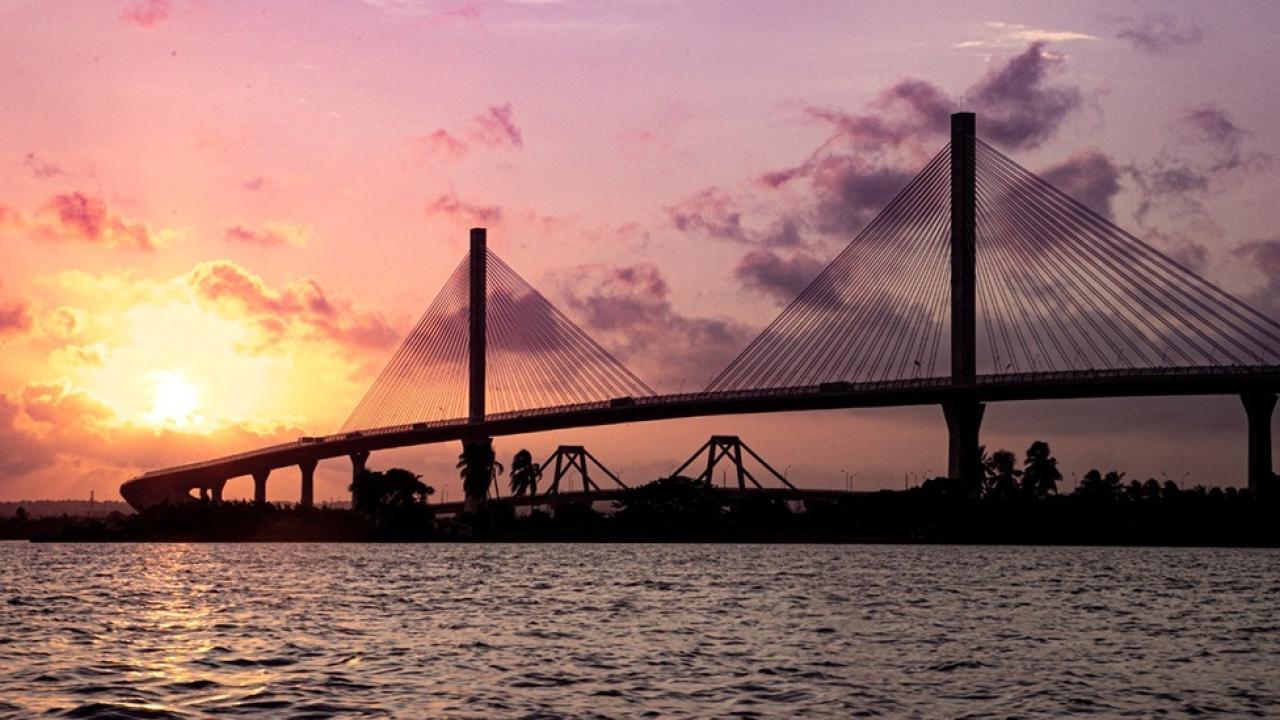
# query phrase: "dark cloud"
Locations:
[[76, 217], [146, 13], [869, 157], [1090, 177], [1017, 106], [786, 234], [1214, 128], [1210, 151], [628, 310], [1159, 33], [766, 272], [902, 113], [1264, 255], [711, 212], [1186, 251], [850, 192], [1174, 177], [455, 209], [41, 168], [497, 127]]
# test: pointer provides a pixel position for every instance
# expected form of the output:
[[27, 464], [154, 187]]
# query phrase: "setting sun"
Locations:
[[175, 400]]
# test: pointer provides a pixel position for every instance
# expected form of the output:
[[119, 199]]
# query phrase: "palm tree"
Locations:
[[1040, 474], [524, 474], [1001, 474], [478, 466], [1096, 485]]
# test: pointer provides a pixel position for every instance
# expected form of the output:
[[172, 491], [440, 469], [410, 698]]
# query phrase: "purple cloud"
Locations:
[[627, 308], [497, 127], [711, 212], [451, 207], [1017, 107], [1159, 34], [1090, 177], [41, 168], [768, 273], [1215, 129]]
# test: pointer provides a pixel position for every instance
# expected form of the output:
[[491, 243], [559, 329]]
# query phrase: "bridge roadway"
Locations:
[[176, 483]]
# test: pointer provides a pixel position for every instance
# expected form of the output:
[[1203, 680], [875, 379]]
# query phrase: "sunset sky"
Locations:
[[217, 218]]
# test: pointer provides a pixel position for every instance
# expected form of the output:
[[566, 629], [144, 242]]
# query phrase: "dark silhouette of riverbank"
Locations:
[[682, 510], [1012, 503]]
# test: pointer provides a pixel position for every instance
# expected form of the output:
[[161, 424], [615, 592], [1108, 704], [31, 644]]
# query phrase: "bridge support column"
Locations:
[[964, 454], [308, 469], [217, 491], [358, 460], [260, 486], [1258, 407]]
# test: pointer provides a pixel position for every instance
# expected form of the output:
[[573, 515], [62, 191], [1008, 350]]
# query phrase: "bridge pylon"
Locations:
[[477, 319], [569, 458], [730, 448], [964, 417]]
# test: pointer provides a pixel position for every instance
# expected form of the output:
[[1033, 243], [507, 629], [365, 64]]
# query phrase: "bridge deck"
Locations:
[[158, 485]]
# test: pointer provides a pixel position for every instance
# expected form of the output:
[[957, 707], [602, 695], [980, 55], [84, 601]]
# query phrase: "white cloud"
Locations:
[[1002, 34]]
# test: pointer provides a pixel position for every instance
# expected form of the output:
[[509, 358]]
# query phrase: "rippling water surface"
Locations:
[[160, 631]]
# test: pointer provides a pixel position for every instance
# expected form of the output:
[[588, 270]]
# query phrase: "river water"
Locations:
[[486, 631]]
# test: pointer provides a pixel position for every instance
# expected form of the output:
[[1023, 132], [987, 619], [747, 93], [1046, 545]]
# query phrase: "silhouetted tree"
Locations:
[[1170, 489], [396, 496], [1040, 473], [1001, 475], [524, 474], [478, 466], [1134, 490], [1099, 486], [949, 489], [671, 500], [1151, 489]]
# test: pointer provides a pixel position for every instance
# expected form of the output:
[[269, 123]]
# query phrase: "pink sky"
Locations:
[[218, 218]]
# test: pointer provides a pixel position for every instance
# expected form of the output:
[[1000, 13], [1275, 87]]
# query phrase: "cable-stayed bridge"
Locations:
[[980, 282]]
